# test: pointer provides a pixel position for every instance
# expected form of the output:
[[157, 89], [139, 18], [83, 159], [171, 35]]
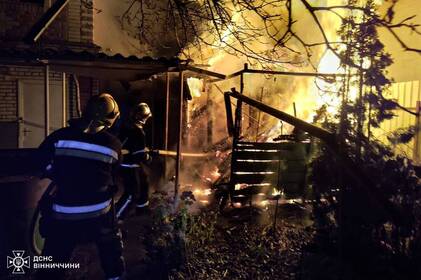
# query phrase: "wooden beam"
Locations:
[[284, 73], [46, 100], [179, 135], [45, 21], [311, 129], [228, 110], [64, 99], [204, 72]]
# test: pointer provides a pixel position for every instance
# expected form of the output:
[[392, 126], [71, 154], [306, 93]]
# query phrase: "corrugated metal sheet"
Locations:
[[90, 63], [406, 94], [65, 54]]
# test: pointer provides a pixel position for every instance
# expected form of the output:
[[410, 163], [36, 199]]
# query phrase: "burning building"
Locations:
[[52, 63]]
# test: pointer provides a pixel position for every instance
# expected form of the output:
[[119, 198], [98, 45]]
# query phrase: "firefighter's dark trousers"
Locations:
[[136, 190], [64, 235]]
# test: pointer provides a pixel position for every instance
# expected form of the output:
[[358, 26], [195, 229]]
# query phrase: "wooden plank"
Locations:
[[294, 166], [228, 111], [268, 155], [254, 178], [246, 155], [252, 190], [293, 190], [258, 166], [241, 197], [311, 129], [266, 145], [285, 166], [292, 177]]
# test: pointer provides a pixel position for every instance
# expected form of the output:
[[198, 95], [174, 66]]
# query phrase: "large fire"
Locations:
[[327, 92], [294, 95], [195, 86]]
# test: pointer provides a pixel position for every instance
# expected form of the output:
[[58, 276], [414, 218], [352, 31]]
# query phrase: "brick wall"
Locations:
[[74, 21], [86, 22], [72, 29], [16, 18], [87, 86], [8, 100], [74, 24], [9, 76]]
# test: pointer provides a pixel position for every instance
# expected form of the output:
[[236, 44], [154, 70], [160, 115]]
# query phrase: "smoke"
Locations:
[[142, 27], [280, 92], [108, 32]]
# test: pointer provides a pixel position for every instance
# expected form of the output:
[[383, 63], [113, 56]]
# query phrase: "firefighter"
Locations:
[[132, 136], [82, 161]]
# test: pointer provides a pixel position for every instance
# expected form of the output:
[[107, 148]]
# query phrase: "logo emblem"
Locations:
[[18, 262]]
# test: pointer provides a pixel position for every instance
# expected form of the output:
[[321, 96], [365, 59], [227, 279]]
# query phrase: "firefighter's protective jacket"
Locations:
[[134, 141], [83, 166], [136, 185]]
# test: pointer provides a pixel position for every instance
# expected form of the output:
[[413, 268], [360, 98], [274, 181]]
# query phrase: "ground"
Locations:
[[240, 244]]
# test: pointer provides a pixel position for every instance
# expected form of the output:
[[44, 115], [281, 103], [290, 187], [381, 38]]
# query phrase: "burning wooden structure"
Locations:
[[257, 168]]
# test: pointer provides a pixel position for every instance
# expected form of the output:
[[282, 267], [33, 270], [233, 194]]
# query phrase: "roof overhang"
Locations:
[[108, 71], [95, 65], [102, 66]]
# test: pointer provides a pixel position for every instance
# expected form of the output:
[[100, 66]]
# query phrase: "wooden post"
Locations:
[[295, 109], [258, 115], [228, 110], [209, 109], [313, 130], [64, 100], [417, 136], [46, 100], [179, 135], [167, 108]]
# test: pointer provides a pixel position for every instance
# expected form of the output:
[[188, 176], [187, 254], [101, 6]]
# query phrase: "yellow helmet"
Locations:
[[101, 110], [141, 113]]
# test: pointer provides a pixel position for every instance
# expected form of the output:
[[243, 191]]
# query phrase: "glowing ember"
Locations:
[[277, 192], [257, 160], [237, 204], [238, 187], [198, 192], [204, 201], [215, 174], [264, 203], [207, 192], [294, 200], [258, 150], [255, 173]]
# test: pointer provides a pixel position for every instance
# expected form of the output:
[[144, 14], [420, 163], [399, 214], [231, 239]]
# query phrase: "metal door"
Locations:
[[31, 111]]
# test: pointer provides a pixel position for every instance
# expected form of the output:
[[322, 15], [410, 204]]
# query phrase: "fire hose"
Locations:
[[169, 153], [174, 153]]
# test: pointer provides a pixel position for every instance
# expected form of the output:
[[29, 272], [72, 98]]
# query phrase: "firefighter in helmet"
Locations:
[[82, 160], [132, 136]]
